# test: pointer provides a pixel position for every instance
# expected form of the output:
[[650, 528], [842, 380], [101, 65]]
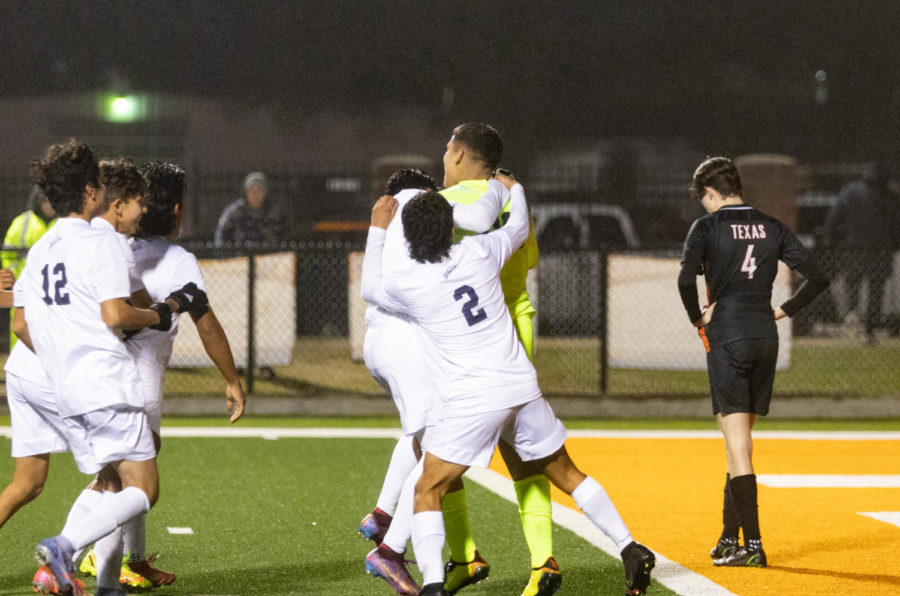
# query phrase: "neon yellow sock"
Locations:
[[533, 494], [456, 525]]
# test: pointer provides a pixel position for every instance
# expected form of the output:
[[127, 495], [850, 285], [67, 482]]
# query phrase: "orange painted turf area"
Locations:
[[669, 491]]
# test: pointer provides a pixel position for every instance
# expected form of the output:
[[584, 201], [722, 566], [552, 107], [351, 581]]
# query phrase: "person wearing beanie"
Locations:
[[250, 220]]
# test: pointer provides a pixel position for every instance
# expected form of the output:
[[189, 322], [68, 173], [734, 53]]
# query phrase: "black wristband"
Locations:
[[165, 316]]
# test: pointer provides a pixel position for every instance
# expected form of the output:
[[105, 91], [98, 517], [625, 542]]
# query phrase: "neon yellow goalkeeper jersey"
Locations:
[[514, 273]]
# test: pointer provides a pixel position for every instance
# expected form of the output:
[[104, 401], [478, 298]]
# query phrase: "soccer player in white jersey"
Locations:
[[165, 267], [453, 292], [74, 302], [38, 429], [395, 358], [123, 207], [472, 155]]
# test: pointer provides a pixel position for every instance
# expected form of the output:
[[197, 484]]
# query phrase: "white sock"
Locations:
[[403, 460], [597, 506], [136, 537], [401, 526], [108, 553], [86, 501], [428, 541], [113, 510]]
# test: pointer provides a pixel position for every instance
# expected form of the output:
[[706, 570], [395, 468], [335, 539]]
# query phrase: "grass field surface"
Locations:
[[276, 514]]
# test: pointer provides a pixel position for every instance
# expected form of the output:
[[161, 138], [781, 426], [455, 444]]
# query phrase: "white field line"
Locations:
[[393, 433], [888, 517], [677, 578]]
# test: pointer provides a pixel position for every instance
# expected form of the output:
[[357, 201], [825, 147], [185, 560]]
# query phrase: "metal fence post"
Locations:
[[251, 310], [604, 320]]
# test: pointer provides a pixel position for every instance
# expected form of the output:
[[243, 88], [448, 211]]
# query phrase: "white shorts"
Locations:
[[37, 427], [152, 386], [532, 429], [396, 359], [112, 434]]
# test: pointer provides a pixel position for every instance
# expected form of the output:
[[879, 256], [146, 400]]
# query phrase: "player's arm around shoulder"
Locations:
[[481, 215], [372, 286], [511, 236]]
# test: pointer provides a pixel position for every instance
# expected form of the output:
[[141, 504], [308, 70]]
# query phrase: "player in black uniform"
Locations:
[[737, 249]]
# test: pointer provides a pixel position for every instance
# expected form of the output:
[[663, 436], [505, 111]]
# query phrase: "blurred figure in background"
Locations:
[[250, 219], [864, 228], [26, 229]]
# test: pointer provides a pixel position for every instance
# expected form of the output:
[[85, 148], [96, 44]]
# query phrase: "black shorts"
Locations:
[[741, 374]]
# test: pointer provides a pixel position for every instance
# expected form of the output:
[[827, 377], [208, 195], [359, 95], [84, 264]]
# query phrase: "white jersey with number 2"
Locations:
[[460, 306]]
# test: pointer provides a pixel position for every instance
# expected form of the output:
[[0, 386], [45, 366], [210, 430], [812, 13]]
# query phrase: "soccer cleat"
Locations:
[[141, 575], [132, 580], [388, 565], [459, 575], [743, 557], [88, 564], [374, 525], [56, 554], [435, 589], [724, 548], [639, 562], [545, 580], [45, 583]]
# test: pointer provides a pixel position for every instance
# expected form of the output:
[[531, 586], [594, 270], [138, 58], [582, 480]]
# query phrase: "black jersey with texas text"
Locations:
[[737, 248]]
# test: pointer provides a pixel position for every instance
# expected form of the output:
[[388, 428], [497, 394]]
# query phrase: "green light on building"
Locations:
[[124, 108]]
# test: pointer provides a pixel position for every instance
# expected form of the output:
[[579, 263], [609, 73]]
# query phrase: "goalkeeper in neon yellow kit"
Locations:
[[472, 155]]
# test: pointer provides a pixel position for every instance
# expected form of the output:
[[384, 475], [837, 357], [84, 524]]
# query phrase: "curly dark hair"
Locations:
[[483, 140], [165, 189], [428, 227], [409, 178], [62, 173], [122, 179], [718, 173]]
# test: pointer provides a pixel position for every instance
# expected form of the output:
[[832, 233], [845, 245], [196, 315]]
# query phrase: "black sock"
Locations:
[[730, 524], [743, 495]]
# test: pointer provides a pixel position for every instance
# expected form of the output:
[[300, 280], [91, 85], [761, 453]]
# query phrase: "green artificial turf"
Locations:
[[279, 517]]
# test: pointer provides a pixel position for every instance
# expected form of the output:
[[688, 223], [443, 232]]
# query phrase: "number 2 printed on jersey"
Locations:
[[472, 316], [58, 278]]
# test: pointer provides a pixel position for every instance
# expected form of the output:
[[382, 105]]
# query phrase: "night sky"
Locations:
[[734, 76]]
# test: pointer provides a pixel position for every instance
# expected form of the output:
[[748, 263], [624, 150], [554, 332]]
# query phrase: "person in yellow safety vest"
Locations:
[[26, 229]]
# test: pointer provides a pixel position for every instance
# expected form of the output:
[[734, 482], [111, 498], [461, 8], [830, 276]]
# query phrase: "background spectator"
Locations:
[[864, 228], [250, 219], [26, 229]]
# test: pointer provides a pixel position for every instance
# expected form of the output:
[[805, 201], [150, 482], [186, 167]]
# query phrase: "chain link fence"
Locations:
[[608, 323]]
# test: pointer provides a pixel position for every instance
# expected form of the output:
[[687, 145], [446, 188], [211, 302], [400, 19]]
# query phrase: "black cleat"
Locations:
[[743, 557], [639, 562], [436, 589], [724, 548]]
